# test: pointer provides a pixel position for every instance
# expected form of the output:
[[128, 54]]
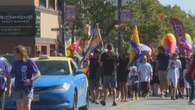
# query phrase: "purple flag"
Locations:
[[180, 34]]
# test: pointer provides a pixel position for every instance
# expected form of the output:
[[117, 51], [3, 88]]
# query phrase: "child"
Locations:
[[173, 77], [134, 83]]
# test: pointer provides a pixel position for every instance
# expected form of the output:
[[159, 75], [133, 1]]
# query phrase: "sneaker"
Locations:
[[103, 103], [114, 104], [190, 103], [193, 102], [96, 102], [162, 95]]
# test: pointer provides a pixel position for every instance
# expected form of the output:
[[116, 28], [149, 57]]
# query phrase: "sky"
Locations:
[[186, 5]]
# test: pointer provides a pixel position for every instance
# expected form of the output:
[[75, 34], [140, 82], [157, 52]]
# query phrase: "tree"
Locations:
[[152, 18]]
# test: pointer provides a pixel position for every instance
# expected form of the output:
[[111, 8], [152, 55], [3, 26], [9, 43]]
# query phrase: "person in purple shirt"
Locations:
[[5, 69], [25, 71]]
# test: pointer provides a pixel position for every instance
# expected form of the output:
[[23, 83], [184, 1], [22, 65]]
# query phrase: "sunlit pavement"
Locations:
[[153, 103]]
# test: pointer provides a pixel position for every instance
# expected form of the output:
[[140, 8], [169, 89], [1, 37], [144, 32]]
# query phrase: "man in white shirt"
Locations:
[[145, 72]]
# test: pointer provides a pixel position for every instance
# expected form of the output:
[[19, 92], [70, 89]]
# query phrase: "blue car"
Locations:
[[62, 86]]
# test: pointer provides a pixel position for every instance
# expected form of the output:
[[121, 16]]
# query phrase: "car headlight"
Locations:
[[65, 87]]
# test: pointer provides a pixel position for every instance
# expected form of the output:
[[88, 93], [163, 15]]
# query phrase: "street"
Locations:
[[148, 104]]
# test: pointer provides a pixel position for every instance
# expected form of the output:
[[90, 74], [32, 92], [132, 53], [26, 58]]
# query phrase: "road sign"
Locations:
[[55, 29], [126, 15], [70, 12]]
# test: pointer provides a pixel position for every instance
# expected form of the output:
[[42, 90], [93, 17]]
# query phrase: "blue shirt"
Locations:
[[5, 69], [21, 71], [145, 71]]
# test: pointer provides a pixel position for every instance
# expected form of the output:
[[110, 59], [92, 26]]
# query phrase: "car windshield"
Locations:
[[53, 67]]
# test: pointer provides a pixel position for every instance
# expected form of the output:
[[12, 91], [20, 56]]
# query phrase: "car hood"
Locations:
[[51, 80]]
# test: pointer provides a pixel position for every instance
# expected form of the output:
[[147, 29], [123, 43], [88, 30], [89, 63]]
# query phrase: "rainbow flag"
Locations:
[[94, 42]]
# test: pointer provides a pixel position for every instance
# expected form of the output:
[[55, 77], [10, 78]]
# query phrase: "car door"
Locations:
[[81, 84]]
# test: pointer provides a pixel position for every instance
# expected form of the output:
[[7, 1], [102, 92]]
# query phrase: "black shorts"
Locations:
[[109, 82], [94, 84], [135, 87], [144, 87]]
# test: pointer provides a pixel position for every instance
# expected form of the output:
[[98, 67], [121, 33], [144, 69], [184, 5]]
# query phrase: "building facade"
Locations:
[[30, 23]]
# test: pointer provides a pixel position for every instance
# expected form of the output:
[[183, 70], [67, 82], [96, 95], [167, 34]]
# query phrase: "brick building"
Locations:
[[30, 23]]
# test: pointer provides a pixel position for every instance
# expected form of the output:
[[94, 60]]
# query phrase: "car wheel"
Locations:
[[86, 107], [75, 103]]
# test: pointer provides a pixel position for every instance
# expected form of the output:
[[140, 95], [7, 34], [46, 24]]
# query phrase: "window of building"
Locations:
[[51, 4], [52, 50], [43, 50], [43, 3]]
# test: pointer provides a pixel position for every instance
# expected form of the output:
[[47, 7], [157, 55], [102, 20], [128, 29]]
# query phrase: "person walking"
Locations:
[[134, 78], [123, 75], [162, 65], [190, 77], [108, 60], [5, 69], [186, 83], [181, 84], [145, 72], [94, 76], [25, 71], [155, 79], [173, 79], [176, 61]]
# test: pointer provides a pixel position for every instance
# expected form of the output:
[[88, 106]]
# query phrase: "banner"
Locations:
[[180, 34], [17, 23]]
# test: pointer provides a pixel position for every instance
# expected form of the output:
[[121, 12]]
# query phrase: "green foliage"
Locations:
[[152, 18]]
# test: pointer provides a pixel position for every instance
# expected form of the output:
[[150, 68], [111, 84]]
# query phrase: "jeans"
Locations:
[[2, 99], [192, 92]]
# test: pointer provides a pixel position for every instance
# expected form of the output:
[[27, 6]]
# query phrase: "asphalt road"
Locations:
[[147, 104]]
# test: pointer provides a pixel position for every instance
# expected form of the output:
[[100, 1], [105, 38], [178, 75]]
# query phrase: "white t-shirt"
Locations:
[[177, 62], [145, 72]]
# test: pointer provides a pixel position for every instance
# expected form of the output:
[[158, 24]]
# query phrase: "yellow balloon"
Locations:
[[188, 37]]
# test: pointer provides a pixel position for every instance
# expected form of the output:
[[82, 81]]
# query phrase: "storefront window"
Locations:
[[43, 50], [43, 3], [53, 50]]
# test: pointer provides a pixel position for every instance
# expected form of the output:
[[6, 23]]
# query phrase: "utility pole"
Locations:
[[119, 29], [62, 26]]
